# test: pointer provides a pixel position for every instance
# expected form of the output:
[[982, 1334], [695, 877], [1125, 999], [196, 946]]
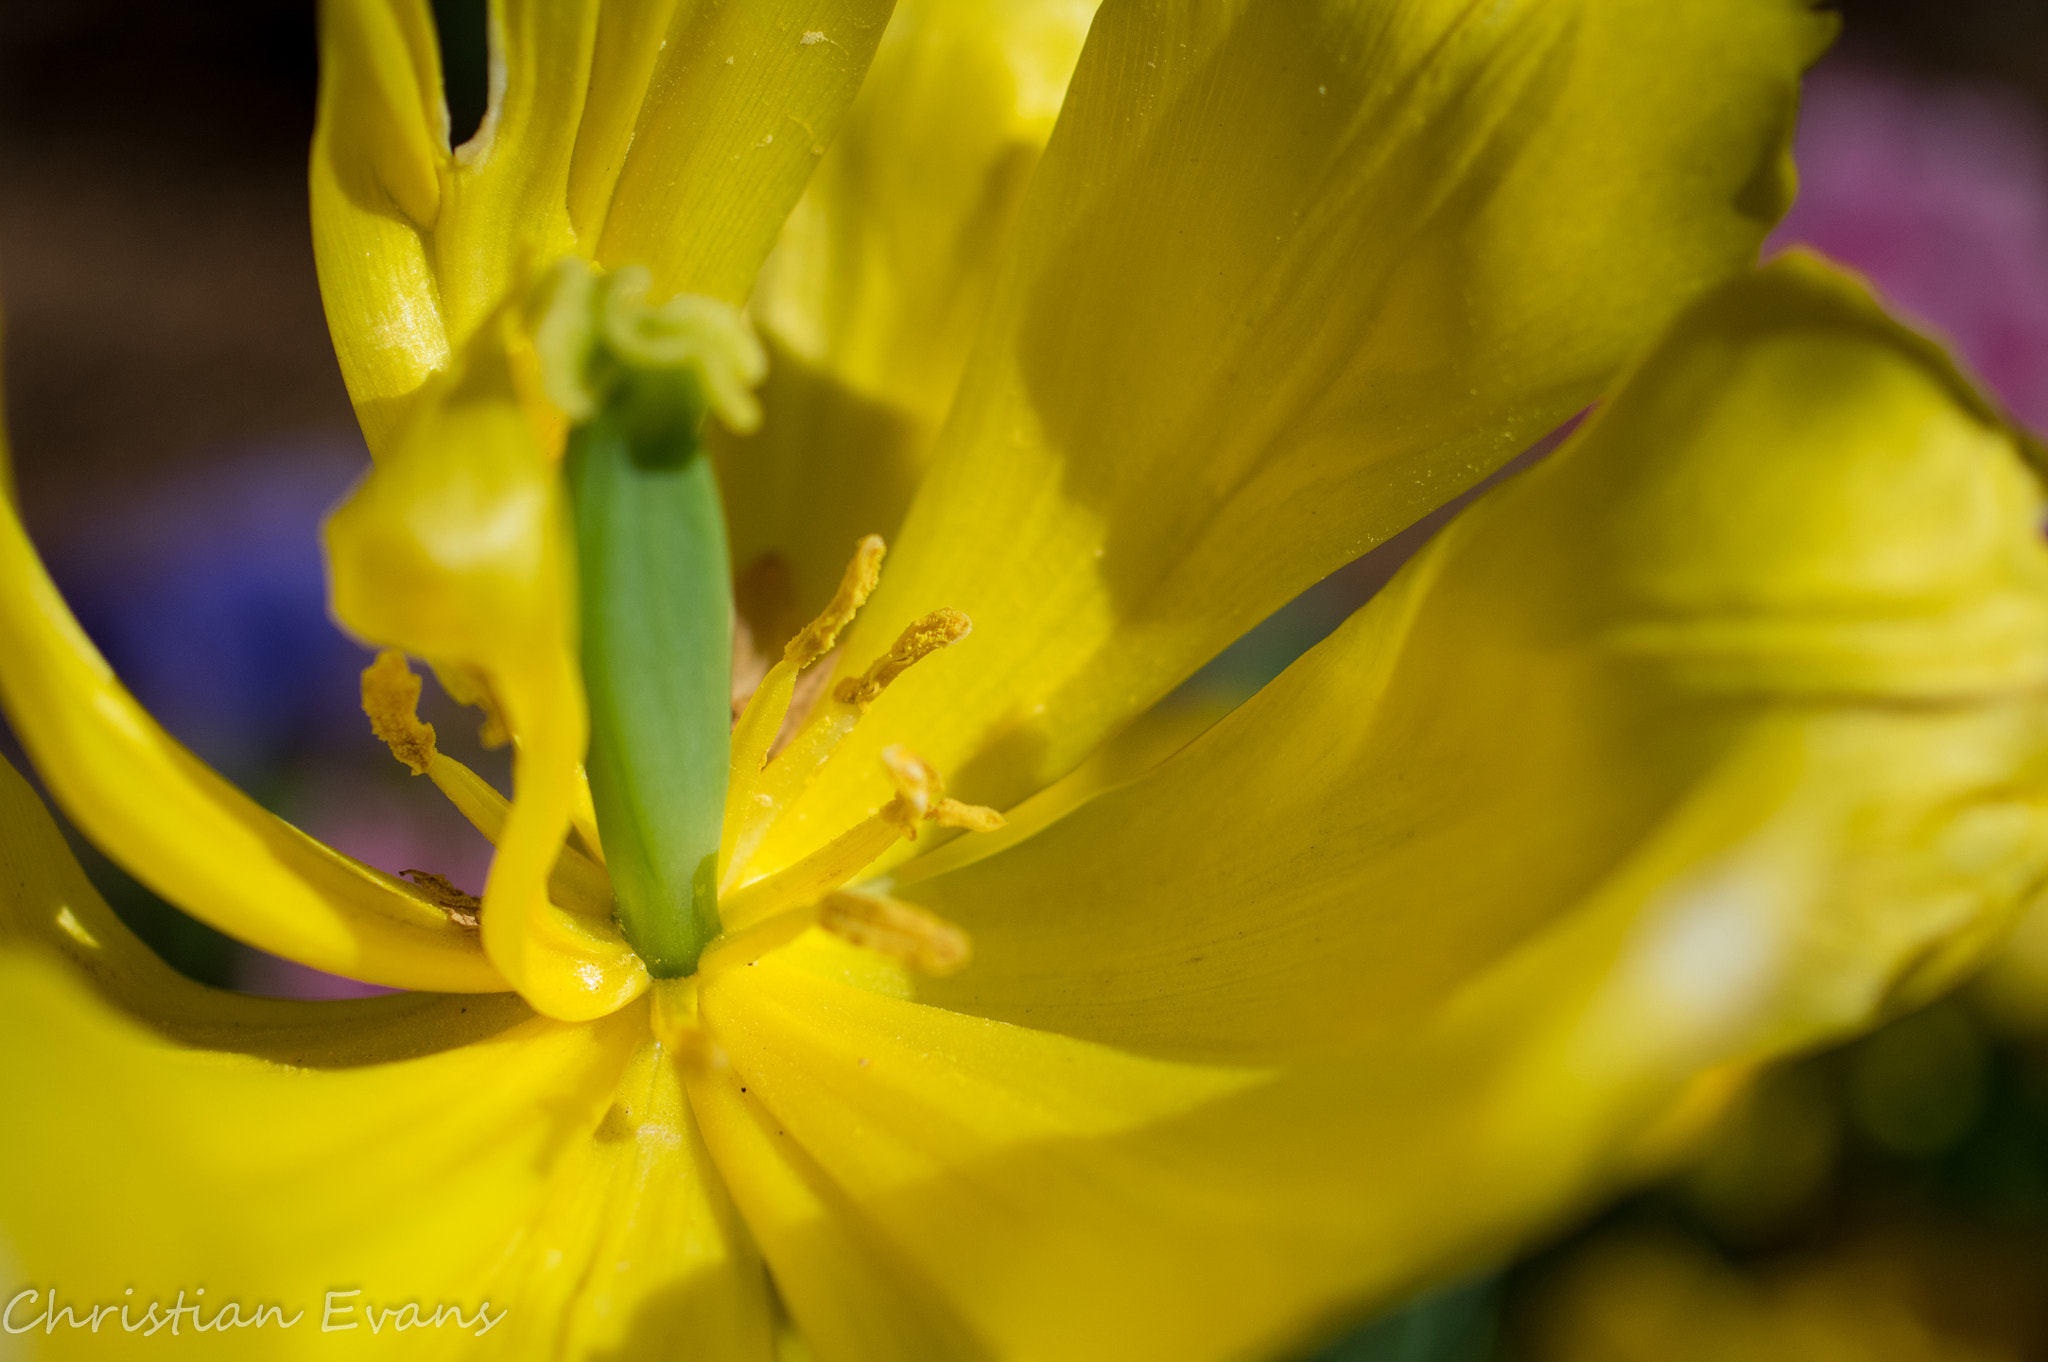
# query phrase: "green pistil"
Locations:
[[656, 588]]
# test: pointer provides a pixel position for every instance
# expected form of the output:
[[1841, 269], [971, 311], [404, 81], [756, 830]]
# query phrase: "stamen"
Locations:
[[917, 784], [951, 813], [391, 697], [391, 693], [940, 629], [763, 717], [462, 909], [747, 812], [899, 930], [858, 583], [752, 811], [920, 796]]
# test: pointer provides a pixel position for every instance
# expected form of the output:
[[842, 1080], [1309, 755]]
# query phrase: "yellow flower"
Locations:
[[1711, 737]]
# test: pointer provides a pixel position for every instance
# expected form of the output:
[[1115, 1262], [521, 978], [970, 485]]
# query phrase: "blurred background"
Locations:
[[179, 428]]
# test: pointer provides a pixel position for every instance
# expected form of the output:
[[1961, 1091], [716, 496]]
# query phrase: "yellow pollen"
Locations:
[[461, 908], [391, 697], [940, 629], [896, 929], [854, 589]]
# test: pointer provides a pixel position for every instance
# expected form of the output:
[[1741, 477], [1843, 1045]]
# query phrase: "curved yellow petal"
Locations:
[[882, 274], [440, 1150], [51, 916], [842, 1108], [1826, 869], [1286, 279], [174, 824], [1146, 1209], [740, 104], [1717, 736], [546, 1181], [1794, 542], [456, 548], [635, 132], [380, 154], [409, 277]]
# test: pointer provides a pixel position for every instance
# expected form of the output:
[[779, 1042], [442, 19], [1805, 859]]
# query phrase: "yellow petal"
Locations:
[[1284, 281], [552, 1171], [1793, 533], [507, 215], [881, 276], [1154, 1209], [456, 548], [409, 275], [1718, 736], [380, 153], [843, 1109], [740, 104], [188, 834], [641, 132], [440, 1150]]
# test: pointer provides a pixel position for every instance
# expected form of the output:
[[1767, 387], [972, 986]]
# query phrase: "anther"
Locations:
[[891, 927], [767, 710], [951, 813], [391, 693], [917, 784], [855, 587], [921, 797], [462, 909], [391, 697], [939, 629]]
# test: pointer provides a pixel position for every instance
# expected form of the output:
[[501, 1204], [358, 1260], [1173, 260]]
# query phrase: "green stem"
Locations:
[[657, 662]]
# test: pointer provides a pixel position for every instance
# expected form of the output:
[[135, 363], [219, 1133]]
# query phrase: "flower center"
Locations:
[[683, 793], [638, 382]]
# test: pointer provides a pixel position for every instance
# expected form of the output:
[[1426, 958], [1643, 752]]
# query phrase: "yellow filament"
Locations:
[[751, 943], [766, 710], [920, 796], [896, 929], [391, 695], [805, 881], [752, 808]]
